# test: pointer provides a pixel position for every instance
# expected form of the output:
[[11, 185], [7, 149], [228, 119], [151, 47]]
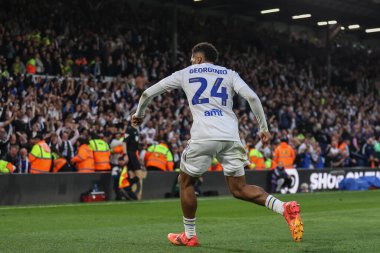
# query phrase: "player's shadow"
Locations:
[[221, 249]]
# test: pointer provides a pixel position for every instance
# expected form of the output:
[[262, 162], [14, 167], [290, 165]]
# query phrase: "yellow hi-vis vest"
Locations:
[[99, 145], [6, 167], [123, 180], [101, 154], [40, 158], [256, 159], [162, 150], [159, 156]]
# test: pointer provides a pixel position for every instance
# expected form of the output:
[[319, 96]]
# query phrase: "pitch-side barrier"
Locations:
[[21, 189]]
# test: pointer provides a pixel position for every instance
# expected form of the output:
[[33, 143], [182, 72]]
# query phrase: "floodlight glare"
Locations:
[[322, 23], [332, 22], [270, 11], [372, 30], [356, 26], [301, 16]]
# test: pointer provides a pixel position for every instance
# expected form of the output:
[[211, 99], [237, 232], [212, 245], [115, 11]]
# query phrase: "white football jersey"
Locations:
[[209, 89]]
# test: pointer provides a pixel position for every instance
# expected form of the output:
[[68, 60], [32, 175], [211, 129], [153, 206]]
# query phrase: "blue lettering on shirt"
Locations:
[[209, 70], [213, 112]]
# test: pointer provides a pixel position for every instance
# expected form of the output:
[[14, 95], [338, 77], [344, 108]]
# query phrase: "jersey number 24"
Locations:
[[214, 91]]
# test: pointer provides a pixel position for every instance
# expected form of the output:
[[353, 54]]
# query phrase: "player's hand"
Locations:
[[136, 121], [265, 137]]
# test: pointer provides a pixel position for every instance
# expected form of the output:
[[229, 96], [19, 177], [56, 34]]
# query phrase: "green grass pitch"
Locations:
[[334, 222]]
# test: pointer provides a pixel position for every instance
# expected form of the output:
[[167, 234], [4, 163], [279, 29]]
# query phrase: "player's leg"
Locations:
[[233, 162], [241, 190], [187, 195], [195, 161], [252, 193], [255, 194], [189, 208], [233, 159]]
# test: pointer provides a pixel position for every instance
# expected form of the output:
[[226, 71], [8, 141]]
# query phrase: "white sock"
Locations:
[[189, 227], [274, 204]]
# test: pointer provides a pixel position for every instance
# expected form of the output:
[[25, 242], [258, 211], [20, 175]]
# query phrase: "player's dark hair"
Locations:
[[208, 49]]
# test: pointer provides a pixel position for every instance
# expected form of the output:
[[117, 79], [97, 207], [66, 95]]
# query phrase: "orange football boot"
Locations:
[[182, 240], [293, 218]]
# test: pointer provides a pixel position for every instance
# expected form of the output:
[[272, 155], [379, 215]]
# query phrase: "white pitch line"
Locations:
[[153, 201], [106, 203]]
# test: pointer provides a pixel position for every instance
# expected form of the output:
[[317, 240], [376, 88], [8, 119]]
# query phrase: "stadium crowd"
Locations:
[[66, 82]]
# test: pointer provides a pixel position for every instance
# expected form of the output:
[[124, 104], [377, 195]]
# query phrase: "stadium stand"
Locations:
[[65, 75]]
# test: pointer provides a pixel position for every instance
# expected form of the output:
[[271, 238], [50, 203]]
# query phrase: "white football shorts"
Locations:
[[198, 155]]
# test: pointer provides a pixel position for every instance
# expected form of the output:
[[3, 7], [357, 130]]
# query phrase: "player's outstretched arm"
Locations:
[[171, 82], [144, 101], [258, 111]]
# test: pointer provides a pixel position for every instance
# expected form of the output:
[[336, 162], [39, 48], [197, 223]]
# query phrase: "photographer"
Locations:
[[280, 179]]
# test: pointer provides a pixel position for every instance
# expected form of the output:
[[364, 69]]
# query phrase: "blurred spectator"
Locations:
[[12, 156], [60, 163], [101, 153], [18, 67], [23, 164], [318, 159], [40, 156], [285, 154], [280, 179], [256, 159], [65, 145], [305, 153], [376, 147], [84, 160], [334, 157], [176, 157], [159, 158], [117, 148], [6, 167], [123, 183]]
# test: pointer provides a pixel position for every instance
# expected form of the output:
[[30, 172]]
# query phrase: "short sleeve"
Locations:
[[174, 81]]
